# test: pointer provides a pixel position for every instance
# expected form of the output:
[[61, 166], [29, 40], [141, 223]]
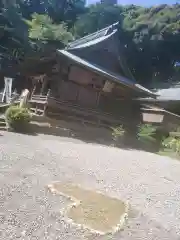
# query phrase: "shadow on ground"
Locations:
[[102, 136], [91, 134]]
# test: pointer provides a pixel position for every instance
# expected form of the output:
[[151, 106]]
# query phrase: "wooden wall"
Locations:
[[82, 95], [81, 87], [85, 88]]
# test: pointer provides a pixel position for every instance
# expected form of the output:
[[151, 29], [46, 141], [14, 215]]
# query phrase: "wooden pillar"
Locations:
[[41, 81], [34, 86], [33, 91], [132, 121], [77, 95], [98, 98], [44, 81], [46, 103]]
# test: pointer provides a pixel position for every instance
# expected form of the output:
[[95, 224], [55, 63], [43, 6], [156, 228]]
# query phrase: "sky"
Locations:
[[141, 2]]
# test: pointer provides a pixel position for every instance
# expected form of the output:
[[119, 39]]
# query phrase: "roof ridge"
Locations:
[[97, 34]]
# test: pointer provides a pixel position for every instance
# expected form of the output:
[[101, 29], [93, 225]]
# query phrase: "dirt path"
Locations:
[[29, 211]]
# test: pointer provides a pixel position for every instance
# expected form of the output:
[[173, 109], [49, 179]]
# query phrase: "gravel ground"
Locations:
[[29, 211]]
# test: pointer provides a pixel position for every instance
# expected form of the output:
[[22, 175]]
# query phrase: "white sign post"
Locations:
[[24, 98], [8, 88]]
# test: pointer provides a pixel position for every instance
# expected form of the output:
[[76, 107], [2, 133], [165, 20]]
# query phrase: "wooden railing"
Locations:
[[59, 108], [39, 103], [39, 98]]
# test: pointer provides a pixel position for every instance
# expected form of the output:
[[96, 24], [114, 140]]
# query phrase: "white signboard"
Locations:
[[8, 89]]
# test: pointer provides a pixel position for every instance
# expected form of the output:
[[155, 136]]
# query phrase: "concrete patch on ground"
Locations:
[[91, 209]]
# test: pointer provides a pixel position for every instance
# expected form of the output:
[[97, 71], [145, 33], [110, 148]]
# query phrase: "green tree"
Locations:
[[150, 36], [97, 16], [43, 28], [13, 32], [66, 10], [58, 10]]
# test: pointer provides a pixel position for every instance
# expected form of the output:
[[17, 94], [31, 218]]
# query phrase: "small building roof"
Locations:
[[170, 94]]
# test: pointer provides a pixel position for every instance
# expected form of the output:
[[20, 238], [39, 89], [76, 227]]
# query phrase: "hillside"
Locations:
[[149, 36]]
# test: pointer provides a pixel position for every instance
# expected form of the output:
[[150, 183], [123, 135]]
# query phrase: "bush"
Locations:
[[118, 134], [147, 132], [17, 118], [149, 137], [172, 144]]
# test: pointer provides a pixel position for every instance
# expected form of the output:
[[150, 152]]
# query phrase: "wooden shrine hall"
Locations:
[[91, 81]]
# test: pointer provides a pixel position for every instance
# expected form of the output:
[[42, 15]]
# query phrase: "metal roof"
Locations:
[[108, 74], [170, 94], [165, 95]]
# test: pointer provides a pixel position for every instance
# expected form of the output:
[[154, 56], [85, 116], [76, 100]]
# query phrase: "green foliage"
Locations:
[[66, 11], [154, 41], [58, 10], [14, 41], [147, 132], [151, 36], [17, 118], [162, 14], [117, 132], [15, 45], [97, 17], [43, 28], [172, 143]]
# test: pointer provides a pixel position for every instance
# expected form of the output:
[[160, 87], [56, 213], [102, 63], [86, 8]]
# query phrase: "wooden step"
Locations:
[[3, 128], [2, 117], [2, 123]]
